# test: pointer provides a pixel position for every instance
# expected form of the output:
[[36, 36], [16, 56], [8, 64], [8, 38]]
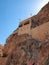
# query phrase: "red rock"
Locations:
[[29, 49]]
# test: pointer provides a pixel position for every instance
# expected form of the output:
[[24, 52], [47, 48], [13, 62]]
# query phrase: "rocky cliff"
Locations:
[[27, 49], [1, 50], [42, 15]]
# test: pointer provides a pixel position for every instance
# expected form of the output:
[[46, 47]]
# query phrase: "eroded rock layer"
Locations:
[[29, 49]]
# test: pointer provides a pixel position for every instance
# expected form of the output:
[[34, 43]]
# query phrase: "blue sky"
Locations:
[[14, 11]]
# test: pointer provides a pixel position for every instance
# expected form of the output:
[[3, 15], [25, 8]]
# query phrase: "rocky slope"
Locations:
[[43, 15], [1, 50], [26, 49]]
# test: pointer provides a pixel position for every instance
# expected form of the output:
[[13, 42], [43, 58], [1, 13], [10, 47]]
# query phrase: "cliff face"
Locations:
[[43, 15], [27, 49], [1, 50]]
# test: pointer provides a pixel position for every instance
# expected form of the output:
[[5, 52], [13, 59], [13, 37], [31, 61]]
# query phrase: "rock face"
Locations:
[[43, 15], [29, 49], [1, 50], [41, 31]]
